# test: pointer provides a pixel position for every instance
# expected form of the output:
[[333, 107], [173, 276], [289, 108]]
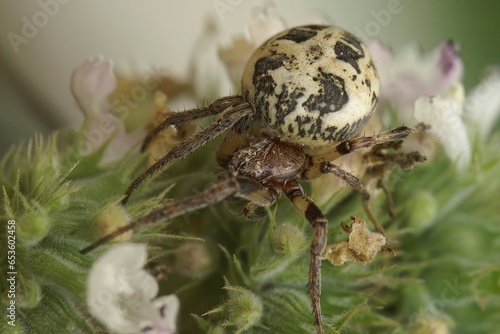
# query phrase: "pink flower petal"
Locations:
[[91, 84], [407, 75]]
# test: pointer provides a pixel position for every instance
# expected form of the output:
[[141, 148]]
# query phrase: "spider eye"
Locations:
[[312, 85]]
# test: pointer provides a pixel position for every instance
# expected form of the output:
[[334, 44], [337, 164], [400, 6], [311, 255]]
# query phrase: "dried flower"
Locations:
[[170, 136], [363, 245]]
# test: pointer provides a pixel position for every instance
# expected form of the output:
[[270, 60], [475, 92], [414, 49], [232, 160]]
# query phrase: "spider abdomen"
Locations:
[[312, 85]]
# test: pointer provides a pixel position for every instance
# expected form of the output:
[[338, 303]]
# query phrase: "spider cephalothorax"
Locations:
[[307, 89]]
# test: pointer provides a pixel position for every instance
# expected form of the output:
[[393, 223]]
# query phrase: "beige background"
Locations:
[[34, 82]]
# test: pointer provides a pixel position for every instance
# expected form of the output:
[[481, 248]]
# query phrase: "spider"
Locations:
[[306, 92]]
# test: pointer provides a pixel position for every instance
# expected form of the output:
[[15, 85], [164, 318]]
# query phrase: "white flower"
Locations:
[[408, 75], [120, 293], [91, 84], [454, 119], [264, 25], [428, 89], [444, 116], [482, 106], [205, 69]]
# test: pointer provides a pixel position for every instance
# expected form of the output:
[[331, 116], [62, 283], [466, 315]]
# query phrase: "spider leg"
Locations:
[[318, 221], [381, 163], [319, 169], [226, 121], [233, 140], [179, 118], [218, 192], [390, 201], [351, 145], [235, 137], [261, 198]]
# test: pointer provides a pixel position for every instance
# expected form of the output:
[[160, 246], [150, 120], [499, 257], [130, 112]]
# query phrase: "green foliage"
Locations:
[[55, 201], [235, 276]]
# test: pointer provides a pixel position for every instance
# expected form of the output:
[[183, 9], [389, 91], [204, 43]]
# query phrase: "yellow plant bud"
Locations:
[[193, 259], [110, 218], [430, 324]]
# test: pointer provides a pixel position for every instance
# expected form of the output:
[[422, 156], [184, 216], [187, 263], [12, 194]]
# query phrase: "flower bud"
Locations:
[[110, 218], [244, 308], [32, 227], [287, 239], [421, 210], [45, 164], [193, 259], [430, 324], [29, 292]]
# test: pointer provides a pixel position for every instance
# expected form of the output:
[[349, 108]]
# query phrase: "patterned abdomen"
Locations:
[[312, 85]]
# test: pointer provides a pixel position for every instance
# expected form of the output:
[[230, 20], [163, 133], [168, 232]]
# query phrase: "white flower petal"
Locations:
[[91, 84], [265, 24], [482, 106], [235, 56], [119, 290], [443, 115], [205, 66], [448, 67], [167, 308], [121, 143], [383, 58]]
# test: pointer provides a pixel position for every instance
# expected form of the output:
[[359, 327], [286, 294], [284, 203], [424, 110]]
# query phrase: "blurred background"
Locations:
[[43, 41]]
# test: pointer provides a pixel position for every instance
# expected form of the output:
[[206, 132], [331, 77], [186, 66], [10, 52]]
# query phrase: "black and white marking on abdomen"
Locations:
[[312, 85]]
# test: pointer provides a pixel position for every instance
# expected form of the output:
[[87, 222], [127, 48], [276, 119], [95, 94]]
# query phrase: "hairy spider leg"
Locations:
[[229, 187], [258, 199], [320, 164], [179, 118], [227, 120], [234, 138], [318, 221], [380, 164], [351, 145]]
